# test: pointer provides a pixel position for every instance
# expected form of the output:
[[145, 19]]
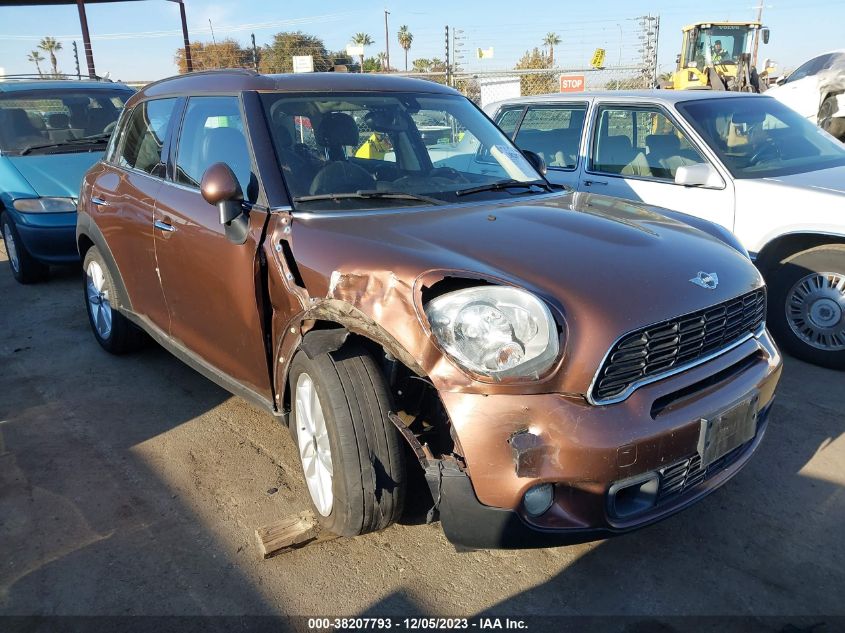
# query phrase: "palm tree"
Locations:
[[382, 60], [405, 40], [363, 40], [36, 58], [51, 46], [551, 40]]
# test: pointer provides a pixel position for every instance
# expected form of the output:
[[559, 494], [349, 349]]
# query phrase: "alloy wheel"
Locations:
[[313, 440], [815, 310], [11, 247], [98, 299]]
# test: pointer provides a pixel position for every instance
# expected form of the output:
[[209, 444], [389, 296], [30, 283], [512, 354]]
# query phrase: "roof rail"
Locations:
[[211, 71], [60, 77]]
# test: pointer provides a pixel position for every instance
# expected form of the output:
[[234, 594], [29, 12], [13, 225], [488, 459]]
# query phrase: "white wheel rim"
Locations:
[[313, 439], [11, 248], [815, 310], [99, 305]]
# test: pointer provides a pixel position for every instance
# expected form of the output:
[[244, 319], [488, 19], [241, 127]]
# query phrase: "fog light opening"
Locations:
[[634, 496], [538, 499]]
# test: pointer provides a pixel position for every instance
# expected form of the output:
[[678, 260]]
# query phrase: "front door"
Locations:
[[212, 285], [634, 153]]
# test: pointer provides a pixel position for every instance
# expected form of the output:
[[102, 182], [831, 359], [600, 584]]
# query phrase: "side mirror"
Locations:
[[698, 175], [765, 36], [536, 161], [781, 80], [220, 187]]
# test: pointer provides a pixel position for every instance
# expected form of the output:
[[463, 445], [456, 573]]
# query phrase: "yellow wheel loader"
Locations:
[[718, 56]]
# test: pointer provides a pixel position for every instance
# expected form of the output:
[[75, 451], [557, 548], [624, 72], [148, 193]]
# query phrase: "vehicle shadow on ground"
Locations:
[[716, 557], [87, 526]]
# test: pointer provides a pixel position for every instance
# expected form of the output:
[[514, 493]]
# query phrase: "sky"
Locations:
[[136, 41]]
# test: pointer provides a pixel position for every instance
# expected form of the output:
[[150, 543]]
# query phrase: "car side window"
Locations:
[[507, 120], [640, 141], [554, 133], [143, 138], [213, 132]]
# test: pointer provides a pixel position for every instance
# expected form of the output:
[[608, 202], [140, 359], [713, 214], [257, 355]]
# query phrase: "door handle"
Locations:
[[164, 226], [99, 202], [590, 183]]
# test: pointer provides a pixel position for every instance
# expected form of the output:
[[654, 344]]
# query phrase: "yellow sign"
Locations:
[[598, 58]]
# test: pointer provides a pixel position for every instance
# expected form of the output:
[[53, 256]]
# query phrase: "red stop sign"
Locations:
[[572, 83]]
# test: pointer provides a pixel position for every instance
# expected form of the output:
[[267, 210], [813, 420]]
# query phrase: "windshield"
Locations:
[[758, 137], [721, 44], [396, 148], [46, 117]]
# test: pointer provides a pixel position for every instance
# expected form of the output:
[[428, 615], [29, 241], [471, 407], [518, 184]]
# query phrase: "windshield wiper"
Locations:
[[369, 195], [85, 140], [504, 184]]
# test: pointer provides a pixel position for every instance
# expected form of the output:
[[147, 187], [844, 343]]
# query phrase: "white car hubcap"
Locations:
[[11, 248], [98, 299], [314, 449], [815, 309]]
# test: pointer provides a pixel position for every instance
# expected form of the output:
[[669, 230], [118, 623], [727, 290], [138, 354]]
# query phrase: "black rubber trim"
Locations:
[[85, 227], [199, 365]]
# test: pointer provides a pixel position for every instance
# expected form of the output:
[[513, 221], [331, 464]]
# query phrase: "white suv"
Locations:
[[744, 161]]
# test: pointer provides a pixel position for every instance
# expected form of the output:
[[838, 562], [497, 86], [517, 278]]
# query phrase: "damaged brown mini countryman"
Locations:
[[372, 261]]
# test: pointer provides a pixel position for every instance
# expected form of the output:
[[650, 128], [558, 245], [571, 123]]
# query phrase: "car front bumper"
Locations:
[[588, 451], [48, 237]]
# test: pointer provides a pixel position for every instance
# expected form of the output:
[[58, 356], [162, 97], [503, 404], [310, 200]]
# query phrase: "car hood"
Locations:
[[58, 175], [604, 265], [826, 181], [808, 202]]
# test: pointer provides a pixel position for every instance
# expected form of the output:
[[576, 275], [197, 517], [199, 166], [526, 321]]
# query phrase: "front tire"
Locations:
[[834, 126], [113, 331], [807, 305], [350, 452], [25, 268]]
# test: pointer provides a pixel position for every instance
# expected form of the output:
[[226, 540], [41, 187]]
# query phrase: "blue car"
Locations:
[[51, 132]]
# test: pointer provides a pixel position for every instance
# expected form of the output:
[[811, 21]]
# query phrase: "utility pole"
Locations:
[[76, 60], [386, 42], [757, 34], [189, 62], [86, 39], [213, 41], [448, 66], [254, 53]]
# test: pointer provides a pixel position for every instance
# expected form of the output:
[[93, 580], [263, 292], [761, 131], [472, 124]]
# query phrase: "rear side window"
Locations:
[[213, 132], [143, 138], [508, 119], [554, 133]]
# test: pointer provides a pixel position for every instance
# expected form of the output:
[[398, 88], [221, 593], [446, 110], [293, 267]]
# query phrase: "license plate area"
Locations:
[[724, 431]]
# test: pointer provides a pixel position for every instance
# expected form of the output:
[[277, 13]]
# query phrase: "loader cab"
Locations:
[[720, 46]]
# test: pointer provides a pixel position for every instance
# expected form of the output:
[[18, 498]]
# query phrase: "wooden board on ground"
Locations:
[[292, 532]]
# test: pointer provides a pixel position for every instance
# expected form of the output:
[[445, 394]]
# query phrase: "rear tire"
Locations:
[[350, 452], [114, 332], [807, 305], [25, 268]]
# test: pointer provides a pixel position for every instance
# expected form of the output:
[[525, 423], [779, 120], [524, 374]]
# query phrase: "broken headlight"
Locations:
[[495, 331]]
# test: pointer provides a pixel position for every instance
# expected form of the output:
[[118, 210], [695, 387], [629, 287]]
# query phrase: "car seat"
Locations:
[[17, 129], [336, 130]]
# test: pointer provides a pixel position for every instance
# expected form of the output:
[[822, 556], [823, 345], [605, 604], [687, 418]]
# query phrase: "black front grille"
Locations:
[[662, 347], [688, 473]]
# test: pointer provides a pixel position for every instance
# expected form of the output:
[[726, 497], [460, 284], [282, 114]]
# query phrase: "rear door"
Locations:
[[555, 131], [635, 151], [212, 286], [123, 198]]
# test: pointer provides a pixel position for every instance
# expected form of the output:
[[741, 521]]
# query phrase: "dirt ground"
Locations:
[[132, 485]]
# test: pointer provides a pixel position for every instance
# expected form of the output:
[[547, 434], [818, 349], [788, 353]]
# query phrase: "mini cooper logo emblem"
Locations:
[[706, 280]]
